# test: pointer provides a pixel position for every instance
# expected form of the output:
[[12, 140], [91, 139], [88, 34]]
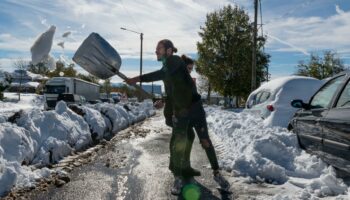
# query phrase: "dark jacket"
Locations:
[[179, 86]]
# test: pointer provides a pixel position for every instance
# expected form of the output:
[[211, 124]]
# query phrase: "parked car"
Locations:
[[116, 96], [94, 101], [71, 99], [323, 123], [271, 101], [107, 100]]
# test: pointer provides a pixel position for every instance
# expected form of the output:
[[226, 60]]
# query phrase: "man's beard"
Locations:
[[159, 58]]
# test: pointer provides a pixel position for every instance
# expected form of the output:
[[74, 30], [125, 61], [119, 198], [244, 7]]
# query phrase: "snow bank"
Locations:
[[269, 154], [17, 148], [97, 123], [38, 138]]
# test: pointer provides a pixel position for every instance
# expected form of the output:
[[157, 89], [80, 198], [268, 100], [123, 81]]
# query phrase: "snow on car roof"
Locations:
[[277, 83]]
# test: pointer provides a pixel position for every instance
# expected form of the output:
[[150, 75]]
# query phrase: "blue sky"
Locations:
[[294, 28]]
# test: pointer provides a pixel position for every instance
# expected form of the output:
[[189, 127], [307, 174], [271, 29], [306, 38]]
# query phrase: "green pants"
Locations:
[[182, 140], [180, 146]]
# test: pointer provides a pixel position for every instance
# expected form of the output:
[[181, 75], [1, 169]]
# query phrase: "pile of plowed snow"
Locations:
[[269, 154], [37, 138]]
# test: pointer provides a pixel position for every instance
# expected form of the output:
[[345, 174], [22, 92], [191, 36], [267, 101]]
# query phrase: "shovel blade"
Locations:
[[98, 57]]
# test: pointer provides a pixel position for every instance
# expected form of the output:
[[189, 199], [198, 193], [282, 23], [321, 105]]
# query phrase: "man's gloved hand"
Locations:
[[169, 121], [132, 81]]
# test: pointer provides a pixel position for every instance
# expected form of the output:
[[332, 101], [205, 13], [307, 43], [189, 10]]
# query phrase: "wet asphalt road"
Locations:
[[133, 165]]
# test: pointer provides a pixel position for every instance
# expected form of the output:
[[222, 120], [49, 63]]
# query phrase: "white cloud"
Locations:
[[10, 42], [311, 33], [338, 10], [6, 64], [177, 20]]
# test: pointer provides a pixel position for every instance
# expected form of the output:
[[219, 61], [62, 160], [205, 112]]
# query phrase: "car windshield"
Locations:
[[344, 100], [66, 97], [324, 96], [55, 89]]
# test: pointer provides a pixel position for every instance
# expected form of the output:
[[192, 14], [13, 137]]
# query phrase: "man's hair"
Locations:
[[168, 44], [187, 60]]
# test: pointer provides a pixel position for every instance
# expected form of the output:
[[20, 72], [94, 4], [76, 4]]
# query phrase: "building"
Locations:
[[25, 81], [152, 89]]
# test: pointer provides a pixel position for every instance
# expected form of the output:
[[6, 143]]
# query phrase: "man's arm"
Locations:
[[153, 76]]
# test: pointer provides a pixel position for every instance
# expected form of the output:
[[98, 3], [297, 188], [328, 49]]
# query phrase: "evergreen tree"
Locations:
[[68, 71], [321, 68], [39, 68], [107, 87], [89, 78], [225, 52]]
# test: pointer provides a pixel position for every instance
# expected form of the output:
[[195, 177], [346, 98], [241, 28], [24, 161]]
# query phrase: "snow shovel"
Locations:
[[100, 59]]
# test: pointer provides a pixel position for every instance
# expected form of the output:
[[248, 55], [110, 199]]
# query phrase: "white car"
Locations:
[[271, 101]]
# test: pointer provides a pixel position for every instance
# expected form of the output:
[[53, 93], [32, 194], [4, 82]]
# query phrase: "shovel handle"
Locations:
[[144, 94]]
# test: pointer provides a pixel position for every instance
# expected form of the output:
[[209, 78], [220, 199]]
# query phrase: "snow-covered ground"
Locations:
[[28, 101], [37, 137], [272, 155], [247, 148]]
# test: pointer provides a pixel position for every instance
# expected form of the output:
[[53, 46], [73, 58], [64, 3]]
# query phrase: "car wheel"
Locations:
[[342, 173], [291, 128]]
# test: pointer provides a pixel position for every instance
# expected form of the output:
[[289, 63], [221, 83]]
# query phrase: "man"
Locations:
[[181, 96]]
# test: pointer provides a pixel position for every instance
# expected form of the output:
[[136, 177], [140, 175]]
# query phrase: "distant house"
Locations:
[[25, 81]]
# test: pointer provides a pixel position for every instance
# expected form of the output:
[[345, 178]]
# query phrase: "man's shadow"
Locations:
[[205, 193]]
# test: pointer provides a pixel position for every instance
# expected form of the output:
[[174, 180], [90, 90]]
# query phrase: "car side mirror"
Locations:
[[297, 103]]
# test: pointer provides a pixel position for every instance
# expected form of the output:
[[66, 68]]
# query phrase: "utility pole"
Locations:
[[255, 30], [141, 45], [141, 38]]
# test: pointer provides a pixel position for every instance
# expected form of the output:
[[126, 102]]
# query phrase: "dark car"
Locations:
[[323, 124], [107, 100]]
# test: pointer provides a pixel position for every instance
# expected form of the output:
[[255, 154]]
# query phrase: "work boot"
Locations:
[[219, 179], [176, 189], [190, 172]]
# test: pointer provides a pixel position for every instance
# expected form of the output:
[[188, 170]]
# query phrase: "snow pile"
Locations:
[[116, 114], [97, 123], [38, 138], [17, 148], [326, 185], [55, 133], [269, 154]]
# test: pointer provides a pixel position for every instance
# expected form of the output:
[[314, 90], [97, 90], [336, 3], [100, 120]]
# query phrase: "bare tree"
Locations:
[[22, 66]]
